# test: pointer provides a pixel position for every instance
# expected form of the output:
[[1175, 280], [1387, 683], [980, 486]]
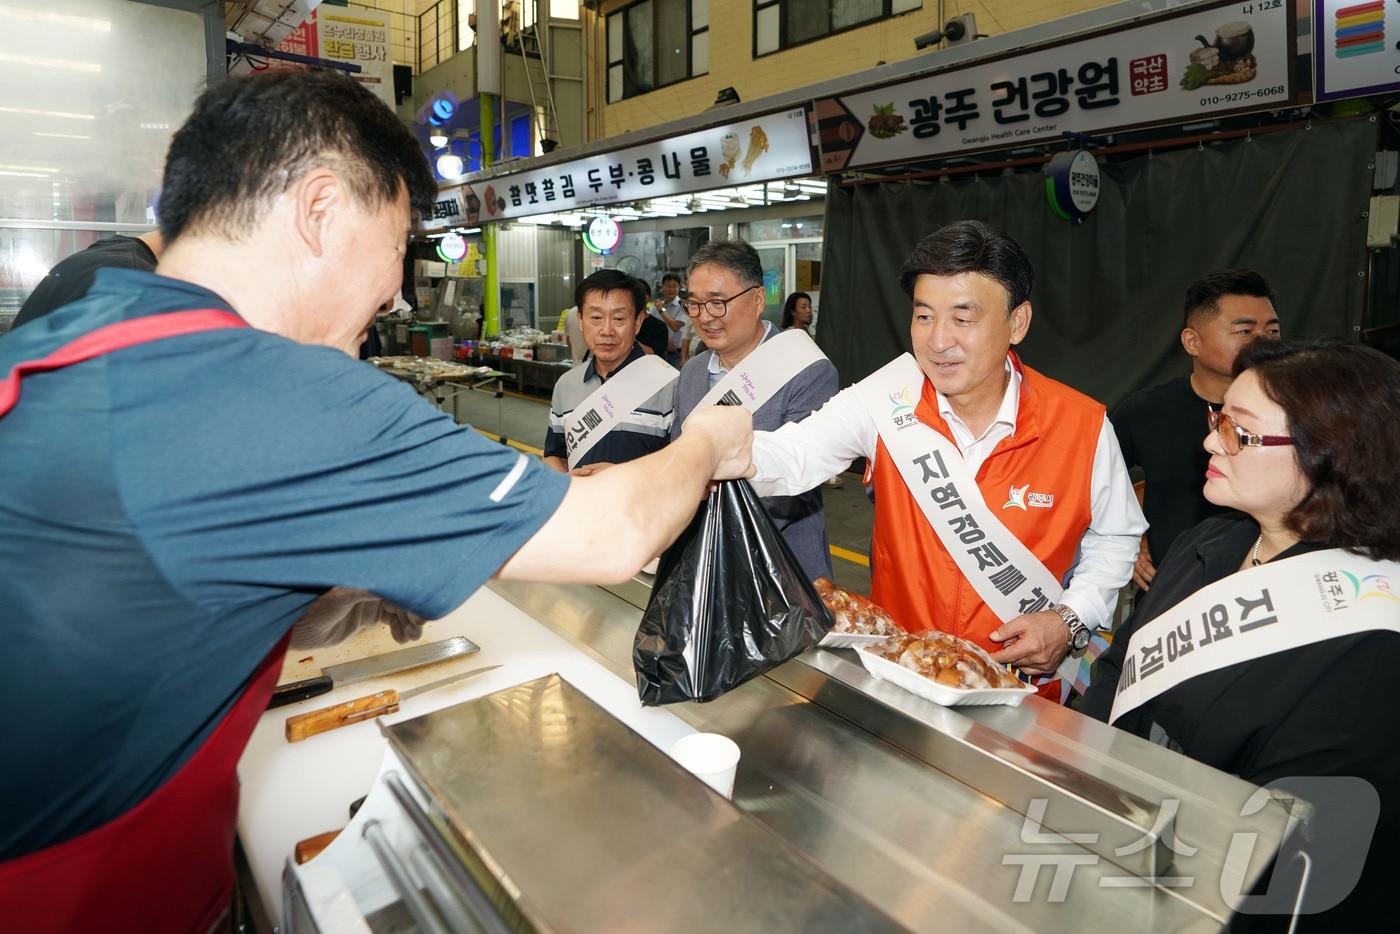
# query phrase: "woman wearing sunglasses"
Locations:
[[1294, 667]]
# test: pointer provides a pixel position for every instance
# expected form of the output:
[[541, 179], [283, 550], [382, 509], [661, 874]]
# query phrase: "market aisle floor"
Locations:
[[521, 421]]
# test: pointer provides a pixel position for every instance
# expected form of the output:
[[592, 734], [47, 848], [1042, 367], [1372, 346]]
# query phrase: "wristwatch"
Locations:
[[1078, 632]]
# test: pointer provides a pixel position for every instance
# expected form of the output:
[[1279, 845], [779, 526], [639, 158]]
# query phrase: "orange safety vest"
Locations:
[[1051, 451]]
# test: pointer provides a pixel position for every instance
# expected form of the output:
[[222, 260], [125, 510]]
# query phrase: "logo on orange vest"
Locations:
[[1019, 497], [1016, 496]]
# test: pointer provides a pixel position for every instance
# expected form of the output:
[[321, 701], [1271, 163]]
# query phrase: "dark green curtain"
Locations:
[[1108, 293]]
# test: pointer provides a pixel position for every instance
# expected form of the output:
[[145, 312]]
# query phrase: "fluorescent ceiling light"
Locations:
[[29, 168], [62, 135], [41, 62], [22, 174], [46, 113], [56, 19]]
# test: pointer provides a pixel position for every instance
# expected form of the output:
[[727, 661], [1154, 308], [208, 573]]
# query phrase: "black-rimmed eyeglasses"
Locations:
[[1233, 438], [717, 307]]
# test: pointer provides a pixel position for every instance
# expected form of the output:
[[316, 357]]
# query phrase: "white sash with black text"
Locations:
[[1006, 574], [612, 402], [1271, 608], [759, 376]]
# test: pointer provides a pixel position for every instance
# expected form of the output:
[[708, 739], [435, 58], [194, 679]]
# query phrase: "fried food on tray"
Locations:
[[945, 659], [937, 656], [854, 613]]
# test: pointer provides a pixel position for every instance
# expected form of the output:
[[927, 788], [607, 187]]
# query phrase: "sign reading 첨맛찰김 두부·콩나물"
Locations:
[[764, 148]]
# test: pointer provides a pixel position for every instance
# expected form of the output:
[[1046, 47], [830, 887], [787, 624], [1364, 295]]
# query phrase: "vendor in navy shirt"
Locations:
[[167, 511], [611, 309]]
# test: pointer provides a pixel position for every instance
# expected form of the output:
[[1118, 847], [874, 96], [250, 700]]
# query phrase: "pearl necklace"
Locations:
[[1254, 553]]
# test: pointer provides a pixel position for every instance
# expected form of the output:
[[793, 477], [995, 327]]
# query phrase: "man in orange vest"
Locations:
[[1003, 511]]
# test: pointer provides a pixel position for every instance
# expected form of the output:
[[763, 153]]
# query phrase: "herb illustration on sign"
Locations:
[[1227, 60], [758, 145], [729, 152], [885, 123]]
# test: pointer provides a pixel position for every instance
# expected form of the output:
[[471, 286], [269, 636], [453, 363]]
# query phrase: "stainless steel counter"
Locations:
[[569, 821], [996, 818]]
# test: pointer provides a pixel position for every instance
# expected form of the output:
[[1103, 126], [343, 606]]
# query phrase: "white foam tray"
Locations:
[[848, 640], [927, 688]]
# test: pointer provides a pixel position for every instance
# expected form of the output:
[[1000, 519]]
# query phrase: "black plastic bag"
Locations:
[[730, 602]]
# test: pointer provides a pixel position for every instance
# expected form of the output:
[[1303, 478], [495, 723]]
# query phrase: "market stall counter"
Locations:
[[529, 375], [440, 381], [918, 816]]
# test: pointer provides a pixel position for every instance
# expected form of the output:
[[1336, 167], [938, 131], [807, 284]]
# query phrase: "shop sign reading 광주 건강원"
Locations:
[[1181, 66], [764, 148]]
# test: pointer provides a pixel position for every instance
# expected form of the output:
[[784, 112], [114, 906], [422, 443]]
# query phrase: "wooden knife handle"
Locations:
[[311, 847], [303, 725]]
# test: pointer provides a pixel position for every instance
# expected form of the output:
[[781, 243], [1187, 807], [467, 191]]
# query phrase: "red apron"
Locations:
[[167, 864]]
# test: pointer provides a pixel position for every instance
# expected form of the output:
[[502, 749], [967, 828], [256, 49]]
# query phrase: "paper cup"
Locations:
[[710, 757]]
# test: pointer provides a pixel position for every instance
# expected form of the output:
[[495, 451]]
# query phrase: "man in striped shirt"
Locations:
[[611, 308]]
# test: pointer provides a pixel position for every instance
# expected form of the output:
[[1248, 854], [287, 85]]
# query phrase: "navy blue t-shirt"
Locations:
[[167, 512]]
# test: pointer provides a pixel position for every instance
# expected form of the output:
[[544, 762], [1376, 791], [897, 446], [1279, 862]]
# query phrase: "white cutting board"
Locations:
[[291, 791]]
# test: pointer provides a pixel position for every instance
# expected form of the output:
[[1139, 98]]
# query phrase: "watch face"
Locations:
[[1081, 639]]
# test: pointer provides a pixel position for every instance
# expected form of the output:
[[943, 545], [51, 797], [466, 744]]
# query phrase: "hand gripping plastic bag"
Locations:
[[730, 602]]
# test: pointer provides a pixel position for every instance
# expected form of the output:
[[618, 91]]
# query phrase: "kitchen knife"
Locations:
[[302, 725], [376, 666]]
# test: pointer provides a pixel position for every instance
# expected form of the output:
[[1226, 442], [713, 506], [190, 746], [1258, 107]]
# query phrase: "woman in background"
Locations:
[[797, 311]]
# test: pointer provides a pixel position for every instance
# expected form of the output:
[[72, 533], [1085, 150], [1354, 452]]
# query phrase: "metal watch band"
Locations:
[[1072, 621]]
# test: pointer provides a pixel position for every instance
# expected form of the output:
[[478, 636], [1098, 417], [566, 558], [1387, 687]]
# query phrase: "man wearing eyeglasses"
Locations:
[[1160, 428], [784, 381]]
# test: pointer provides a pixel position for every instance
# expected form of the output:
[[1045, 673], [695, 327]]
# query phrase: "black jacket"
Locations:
[[1323, 709], [72, 277]]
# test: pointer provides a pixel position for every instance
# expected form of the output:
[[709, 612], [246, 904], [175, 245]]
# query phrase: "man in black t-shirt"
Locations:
[[1160, 429], [71, 278], [652, 334]]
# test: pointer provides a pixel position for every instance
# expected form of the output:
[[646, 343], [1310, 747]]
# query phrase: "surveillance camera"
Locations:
[[954, 30], [928, 39]]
